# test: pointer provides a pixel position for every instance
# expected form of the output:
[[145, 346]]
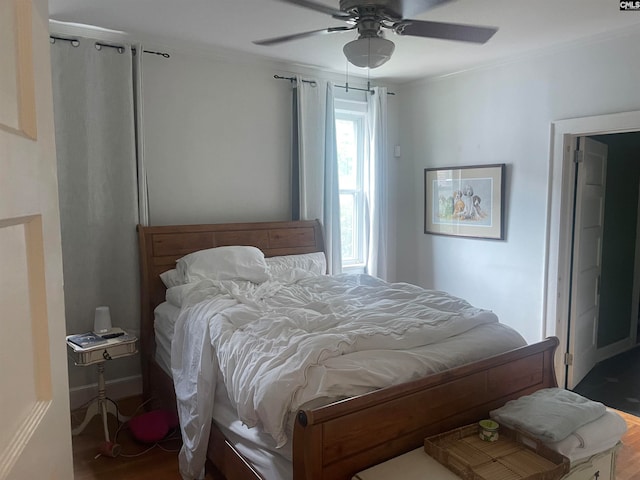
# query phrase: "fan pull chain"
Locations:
[[369, 63], [369, 68], [346, 83]]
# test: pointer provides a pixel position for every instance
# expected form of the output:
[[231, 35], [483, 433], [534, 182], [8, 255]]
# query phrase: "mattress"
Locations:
[[166, 315]]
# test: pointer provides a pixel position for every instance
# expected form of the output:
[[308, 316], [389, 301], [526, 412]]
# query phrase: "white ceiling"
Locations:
[[524, 26]]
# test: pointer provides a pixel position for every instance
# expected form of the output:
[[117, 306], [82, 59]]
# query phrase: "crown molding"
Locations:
[[530, 55]]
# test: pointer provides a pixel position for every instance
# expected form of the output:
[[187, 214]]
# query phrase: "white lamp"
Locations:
[[369, 52], [102, 320]]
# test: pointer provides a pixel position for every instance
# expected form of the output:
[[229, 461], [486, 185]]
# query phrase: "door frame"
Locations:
[[562, 169]]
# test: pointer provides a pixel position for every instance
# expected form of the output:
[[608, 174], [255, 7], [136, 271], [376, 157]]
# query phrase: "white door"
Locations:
[[587, 258], [35, 436]]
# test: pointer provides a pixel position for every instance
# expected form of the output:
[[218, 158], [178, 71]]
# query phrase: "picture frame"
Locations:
[[465, 201]]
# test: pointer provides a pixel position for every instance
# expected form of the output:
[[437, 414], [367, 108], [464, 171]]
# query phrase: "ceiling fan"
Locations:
[[370, 17]]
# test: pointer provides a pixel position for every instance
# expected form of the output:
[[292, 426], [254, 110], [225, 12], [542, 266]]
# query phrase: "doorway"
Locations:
[[562, 189], [620, 265], [603, 272]]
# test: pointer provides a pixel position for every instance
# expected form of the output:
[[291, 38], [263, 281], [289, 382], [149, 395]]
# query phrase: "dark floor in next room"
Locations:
[[615, 382]]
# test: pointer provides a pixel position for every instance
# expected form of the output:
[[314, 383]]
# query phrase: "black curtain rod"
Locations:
[[121, 48], [162, 54], [293, 79], [345, 86], [73, 41]]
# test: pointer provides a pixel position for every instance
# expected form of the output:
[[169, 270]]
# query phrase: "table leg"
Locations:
[[100, 406], [93, 410]]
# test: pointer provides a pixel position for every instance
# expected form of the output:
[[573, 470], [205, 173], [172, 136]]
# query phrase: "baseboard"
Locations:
[[614, 349], [116, 389]]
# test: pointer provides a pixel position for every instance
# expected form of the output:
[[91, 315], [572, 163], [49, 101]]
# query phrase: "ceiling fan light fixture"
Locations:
[[369, 52]]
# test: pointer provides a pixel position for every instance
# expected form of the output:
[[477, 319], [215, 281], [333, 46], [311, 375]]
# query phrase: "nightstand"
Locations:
[[414, 465], [119, 347]]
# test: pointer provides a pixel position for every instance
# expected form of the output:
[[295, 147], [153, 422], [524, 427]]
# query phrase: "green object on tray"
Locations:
[[488, 430]]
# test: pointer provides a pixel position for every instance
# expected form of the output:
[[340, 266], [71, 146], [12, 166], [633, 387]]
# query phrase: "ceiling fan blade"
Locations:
[[296, 36], [446, 31], [319, 7], [409, 8]]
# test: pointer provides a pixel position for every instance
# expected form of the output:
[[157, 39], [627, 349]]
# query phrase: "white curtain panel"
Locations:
[[376, 191], [97, 185], [319, 196]]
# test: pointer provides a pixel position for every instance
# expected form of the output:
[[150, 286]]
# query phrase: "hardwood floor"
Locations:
[[159, 463], [628, 463], [162, 463]]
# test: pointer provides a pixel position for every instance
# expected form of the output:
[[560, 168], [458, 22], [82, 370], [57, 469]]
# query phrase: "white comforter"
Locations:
[[276, 345]]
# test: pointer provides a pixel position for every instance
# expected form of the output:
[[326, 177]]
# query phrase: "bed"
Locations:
[[335, 441]]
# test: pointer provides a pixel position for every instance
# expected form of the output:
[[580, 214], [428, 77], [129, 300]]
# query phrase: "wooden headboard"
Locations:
[[161, 246]]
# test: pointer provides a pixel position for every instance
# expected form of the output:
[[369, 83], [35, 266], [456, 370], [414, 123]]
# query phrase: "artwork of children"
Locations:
[[462, 201]]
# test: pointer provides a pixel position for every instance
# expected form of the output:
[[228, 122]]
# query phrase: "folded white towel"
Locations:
[[550, 414], [594, 437]]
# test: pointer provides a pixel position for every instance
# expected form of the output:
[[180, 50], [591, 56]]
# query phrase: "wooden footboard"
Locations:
[[336, 441]]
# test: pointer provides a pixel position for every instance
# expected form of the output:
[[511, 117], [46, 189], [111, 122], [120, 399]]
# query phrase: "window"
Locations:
[[350, 139]]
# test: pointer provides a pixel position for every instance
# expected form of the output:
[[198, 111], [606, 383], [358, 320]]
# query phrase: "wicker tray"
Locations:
[[514, 456]]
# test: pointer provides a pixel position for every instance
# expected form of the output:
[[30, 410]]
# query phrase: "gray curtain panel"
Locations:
[[97, 185]]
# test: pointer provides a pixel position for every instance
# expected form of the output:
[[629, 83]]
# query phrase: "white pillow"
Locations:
[[171, 278], [314, 263], [224, 263]]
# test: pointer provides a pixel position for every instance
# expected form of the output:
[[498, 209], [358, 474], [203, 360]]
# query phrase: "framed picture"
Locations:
[[465, 201]]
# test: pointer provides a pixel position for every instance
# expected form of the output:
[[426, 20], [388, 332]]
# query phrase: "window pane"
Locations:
[[347, 143], [347, 227], [350, 143]]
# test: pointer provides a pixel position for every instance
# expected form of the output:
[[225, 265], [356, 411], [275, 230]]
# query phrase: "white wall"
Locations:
[[217, 136], [216, 141], [502, 114]]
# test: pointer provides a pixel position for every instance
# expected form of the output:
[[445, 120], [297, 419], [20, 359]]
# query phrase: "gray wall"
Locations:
[[619, 240], [502, 114], [216, 141], [217, 138]]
